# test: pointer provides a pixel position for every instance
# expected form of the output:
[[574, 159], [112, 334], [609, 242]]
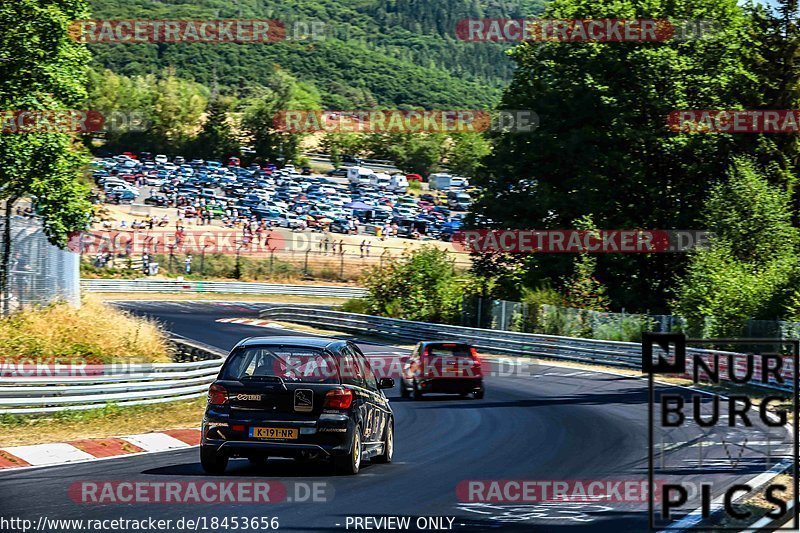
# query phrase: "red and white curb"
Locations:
[[77, 451], [251, 322]]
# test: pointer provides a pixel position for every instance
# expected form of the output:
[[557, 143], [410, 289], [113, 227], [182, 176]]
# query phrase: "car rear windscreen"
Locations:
[[290, 363], [448, 350]]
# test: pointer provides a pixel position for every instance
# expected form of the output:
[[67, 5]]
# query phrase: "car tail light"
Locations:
[[217, 395], [338, 399], [238, 427], [476, 361]]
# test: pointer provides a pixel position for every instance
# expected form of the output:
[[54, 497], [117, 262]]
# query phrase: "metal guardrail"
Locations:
[[230, 287], [120, 384], [602, 352], [167, 382]]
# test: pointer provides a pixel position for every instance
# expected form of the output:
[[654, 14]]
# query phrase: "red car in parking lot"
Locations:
[[442, 367]]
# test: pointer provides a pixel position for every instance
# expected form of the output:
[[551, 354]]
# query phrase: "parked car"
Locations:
[[158, 200]]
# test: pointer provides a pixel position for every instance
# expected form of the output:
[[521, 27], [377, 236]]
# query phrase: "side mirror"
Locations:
[[386, 383]]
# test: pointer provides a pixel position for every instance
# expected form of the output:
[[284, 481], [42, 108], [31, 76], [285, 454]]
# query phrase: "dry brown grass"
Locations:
[[95, 333]]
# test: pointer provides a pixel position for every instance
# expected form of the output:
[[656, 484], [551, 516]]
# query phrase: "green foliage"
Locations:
[[584, 323], [466, 153], [420, 153], [750, 268], [42, 68], [534, 298], [355, 305], [217, 139], [422, 286], [603, 146], [262, 114], [372, 53], [166, 111]]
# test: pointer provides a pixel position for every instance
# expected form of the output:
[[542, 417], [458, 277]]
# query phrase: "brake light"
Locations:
[[338, 399], [217, 395], [476, 361]]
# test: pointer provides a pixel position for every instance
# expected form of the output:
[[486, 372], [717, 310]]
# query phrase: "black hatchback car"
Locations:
[[302, 397]]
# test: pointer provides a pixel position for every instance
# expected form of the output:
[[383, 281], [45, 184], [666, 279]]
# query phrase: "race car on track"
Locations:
[[302, 397], [442, 367]]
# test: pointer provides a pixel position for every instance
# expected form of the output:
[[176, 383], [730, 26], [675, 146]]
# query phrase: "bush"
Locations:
[[750, 268], [355, 305], [422, 286]]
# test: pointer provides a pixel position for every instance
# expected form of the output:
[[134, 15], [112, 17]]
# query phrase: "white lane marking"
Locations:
[[48, 454], [155, 442]]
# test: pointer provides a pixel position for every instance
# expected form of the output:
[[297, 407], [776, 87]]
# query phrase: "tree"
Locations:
[[161, 113], [217, 140], [466, 153], [42, 68], [750, 268], [603, 146], [583, 290], [262, 117]]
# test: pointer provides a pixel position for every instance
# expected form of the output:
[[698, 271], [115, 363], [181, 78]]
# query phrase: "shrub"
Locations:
[[95, 333]]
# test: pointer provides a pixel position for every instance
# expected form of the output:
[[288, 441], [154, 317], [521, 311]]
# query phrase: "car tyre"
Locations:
[[388, 446], [417, 392], [478, 395], [350, 464], [404, 390], [212, 462]]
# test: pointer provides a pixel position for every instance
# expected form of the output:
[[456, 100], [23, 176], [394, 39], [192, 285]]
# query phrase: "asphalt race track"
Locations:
[[545, 423]]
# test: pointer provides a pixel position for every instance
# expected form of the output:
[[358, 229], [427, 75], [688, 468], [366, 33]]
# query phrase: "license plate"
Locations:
[[274, 433]]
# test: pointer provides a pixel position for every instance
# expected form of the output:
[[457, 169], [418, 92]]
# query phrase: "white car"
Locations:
[[154, 181], [161, 158]]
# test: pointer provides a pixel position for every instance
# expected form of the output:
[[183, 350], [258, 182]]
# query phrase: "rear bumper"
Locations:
[[275, 449], [329, 437], [451, 385]]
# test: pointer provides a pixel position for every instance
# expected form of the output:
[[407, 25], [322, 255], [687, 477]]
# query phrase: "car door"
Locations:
[[379, 411], [352, 376]]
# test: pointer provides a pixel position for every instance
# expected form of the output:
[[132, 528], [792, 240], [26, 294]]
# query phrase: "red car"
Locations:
[[413, 177], [442, 367]]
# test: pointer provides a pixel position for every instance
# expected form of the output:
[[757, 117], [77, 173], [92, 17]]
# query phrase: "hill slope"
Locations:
[[373, 52]]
